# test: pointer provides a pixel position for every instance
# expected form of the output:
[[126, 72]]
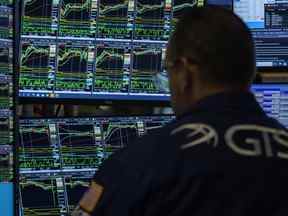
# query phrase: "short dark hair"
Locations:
[[219, 42]]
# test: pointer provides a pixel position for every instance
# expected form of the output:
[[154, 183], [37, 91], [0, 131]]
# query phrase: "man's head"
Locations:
[[210, 51]]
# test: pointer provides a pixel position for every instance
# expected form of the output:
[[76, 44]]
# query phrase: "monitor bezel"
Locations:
[[75, 101], [16, 69]]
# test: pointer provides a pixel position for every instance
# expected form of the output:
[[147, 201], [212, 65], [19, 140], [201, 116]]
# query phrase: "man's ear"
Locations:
[[187, 77]]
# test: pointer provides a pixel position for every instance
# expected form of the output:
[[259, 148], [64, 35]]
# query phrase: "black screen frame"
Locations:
[[16, 69]]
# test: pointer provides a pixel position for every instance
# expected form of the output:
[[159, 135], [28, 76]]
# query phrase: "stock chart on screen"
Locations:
[[115, 19], [7, 107], [58, 157], [114, 50], [6, 91], [97, 49]]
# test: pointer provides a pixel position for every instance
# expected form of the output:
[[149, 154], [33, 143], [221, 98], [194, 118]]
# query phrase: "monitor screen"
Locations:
[[58, 157], [6, 108], [273, 98], [97, 49], [94, 49], [6, 91], [268, 20]]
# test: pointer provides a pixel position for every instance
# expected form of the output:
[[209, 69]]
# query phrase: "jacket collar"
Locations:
[[228, 102]]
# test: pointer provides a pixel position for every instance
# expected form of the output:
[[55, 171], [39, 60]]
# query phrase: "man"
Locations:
[[222, 156]]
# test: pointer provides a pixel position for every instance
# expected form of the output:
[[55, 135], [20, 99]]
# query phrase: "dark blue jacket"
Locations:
[[225, 157]]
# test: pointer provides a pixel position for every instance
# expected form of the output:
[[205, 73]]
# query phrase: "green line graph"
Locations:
[[42, 211], [68, 8], [31, 50], [73, 184], [39, 6], [147, 51], [143, 8], [180, 7], [45, 185], [105, 9], [67, 54], [113, 128], [43, 130], [72, 133], [106, 54]]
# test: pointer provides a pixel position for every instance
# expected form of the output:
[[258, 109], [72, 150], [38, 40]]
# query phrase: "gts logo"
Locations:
[[245, 140]]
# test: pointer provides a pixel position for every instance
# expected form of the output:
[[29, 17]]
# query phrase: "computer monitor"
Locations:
[[58, 157], [273, 98], [7, 107], [268, 20], [94, 49], [97, 49], [6, 91]]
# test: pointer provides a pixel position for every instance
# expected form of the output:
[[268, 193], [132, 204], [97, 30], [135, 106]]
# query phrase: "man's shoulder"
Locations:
[[149, 150], [141, 156], [142, 150]]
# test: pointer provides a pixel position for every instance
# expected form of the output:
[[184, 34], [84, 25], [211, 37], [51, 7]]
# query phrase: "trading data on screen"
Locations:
[[6, 91], [58, 157], [97, 49], [268, 20], [274, 100], [6, 108]]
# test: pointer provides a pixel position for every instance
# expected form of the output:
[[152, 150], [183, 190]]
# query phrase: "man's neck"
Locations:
[[196, 98]]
